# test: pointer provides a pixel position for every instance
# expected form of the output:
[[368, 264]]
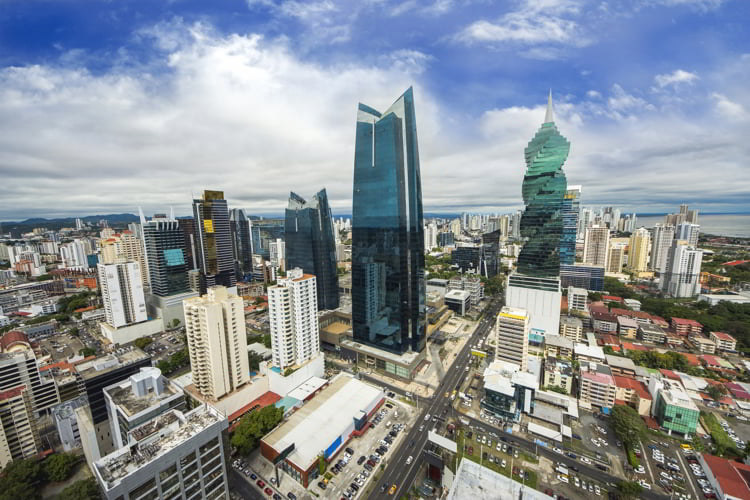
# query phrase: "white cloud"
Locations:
[[675, 78], [729, 109], [593, 94], [622, 104]]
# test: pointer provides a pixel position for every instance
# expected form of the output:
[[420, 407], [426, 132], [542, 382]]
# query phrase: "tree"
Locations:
[[254, 360], [321, 465], [164, 366], [555, 388], [175, 323], [85, 489], [20, 480], [628, 425], [254, 426], [716, 391], [629, 489], [59, 467], [142, 342], [267, 340], [74, 331], [87, 351]]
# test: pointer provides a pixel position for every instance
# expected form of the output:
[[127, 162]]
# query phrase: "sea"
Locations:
[[737, 225]]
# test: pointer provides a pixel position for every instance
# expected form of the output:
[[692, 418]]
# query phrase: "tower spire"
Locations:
[[549, 117]]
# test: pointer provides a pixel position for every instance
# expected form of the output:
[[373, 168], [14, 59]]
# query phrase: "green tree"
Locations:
[[87, 351], [628, 425], [142, 342], [321, 465], [21, 480], [44, 277], [59, 467], [254, 360], [555, 388], [716, 391], [164, 366], [85, 489], [74, 331], [254, 426], [267, 340], [175, 323], [629, 489]]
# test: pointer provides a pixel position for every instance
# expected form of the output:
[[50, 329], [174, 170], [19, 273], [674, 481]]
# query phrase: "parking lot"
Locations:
[[667, 467], [61, 346], [344, 468]]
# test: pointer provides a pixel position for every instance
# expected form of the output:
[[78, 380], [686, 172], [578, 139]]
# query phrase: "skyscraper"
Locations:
[[661, 241], [214, 243], [680, 277], [388, 288], [242, 253], [638, 248], [570, 210], [215, 330], [311, 244], [122, 293], [165, 253], [535, 286], [689, 232], [293, 317], [596, 245]]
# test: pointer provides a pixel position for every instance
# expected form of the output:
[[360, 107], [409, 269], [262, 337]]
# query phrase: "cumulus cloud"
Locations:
[[675, 78]]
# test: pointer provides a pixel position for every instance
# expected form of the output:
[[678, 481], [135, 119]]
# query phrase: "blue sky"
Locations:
[[106, 106]]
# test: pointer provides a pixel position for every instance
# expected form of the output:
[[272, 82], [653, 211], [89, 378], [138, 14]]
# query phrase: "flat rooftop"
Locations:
[[475, 481], [316, 425], [155, 439], [110, 362], [405, 359], [122, 395]]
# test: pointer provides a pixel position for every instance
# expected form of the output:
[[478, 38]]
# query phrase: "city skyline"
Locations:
[[186, 98]]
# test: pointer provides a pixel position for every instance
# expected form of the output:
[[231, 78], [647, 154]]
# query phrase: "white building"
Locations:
[[540, 297], [680, 278], [74, 255], [596, 245], [663, 234], [277, 253], [577, 298], [293, 317], [689, 232], [430, 236], [215, 329], [176, 455], [122, 293], [512, 336]]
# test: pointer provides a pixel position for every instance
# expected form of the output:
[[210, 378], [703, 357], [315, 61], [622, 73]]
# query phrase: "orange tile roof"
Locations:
[[634, 385], [266, 399], [733, 477]]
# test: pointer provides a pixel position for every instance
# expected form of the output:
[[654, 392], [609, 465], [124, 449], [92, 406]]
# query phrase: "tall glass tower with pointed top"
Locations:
[[388, 288], [535, 286]]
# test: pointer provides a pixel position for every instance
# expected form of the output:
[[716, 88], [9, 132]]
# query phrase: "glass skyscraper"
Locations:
[[263, 232], [214, 243], [570, 209], [311, 245], [239, 228], [388, 288], [165, 253], [544, 188]]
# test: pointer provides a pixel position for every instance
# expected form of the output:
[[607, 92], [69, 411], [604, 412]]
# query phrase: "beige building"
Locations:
[[596, 245], [124, 247], [512, 336], [723, 341], [558, 373], [638, 249], [571, 328], [703, 344], [616, 258], [18, 437], [634, 393], [215, 329], [558, 346], [597, 385]]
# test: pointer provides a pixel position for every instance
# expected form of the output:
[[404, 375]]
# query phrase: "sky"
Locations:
[[106, 106]]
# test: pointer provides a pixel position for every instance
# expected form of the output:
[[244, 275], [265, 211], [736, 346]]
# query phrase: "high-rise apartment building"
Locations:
[[616, 257], [388, 288], [571, 209], [242, 252], [21, 368], [215, 329], [680, 278], [122, 293], [277, 250], [74, 255], [164, 242], [661, 241], [19, 437], [689, 232], [214, 241], [311, 246], [512, 336], [638, 250], [596, 245], [535, 286], [293, 317]]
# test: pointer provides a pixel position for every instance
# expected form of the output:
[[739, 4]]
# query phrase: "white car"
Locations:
[[640, 470], [503, 463], [585, 460], [644, 484], [557, 450], [597, 490], [427, 417], [577, 482], [408, 460], [562, 478]]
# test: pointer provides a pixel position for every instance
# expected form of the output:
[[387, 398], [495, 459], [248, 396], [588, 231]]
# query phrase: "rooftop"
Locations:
[[155, 439], [475, 481], [558, 341], [571, 321], [676, 397], [686, 322], [125, 396], [634, 385], [627, 322], [620, 362], [458, 295], [723, 336], [733, 477], [589, 351], [110, 362]]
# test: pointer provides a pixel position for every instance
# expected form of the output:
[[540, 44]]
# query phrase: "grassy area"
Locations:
[[506, 471], [724, 445], [632, 459], [406, 400]]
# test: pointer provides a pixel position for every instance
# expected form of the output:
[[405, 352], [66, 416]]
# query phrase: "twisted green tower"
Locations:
[[544, 188]]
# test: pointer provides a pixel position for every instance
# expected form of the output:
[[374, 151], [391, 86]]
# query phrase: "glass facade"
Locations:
[[582, 276], [676, 418], [311, 245], [466, 258], [570, 209], [544, 188], [263, 232], [388, 288], [214, 242], [242, 252], [164, 242]]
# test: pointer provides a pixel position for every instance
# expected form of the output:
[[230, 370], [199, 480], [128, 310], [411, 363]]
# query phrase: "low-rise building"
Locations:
[[723, 341], [729, 479], [673, 408], [621, 366], [633, 393], [604, 322], [633, 304], [685, 327], [651, 333], [558, 373], [571, 328], [577, 298], [597, 386], [458, 301], [592, 353], [177, 455], [627, 327], [558, 346], [702, 344]]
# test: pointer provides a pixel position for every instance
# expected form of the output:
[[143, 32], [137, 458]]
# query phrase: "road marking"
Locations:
[[648, 465], [688, 475]]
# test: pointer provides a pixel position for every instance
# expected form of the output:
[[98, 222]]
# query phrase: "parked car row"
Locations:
[[243, 468]]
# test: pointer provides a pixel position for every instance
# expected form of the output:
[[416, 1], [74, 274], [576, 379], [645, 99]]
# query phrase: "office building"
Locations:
[[661, 241], [164, 242], [458, 301], [310, 244], [176, 455], [597, 386], [467, 256], [673, 408], [490, 257], [638, 250], [293, 318], [587, 276], [577, 299], [20, 367], [122, 293], [689, 232], [217, 344], [470, 283], [446, 239], [680, 277], [616, 257], [535, 286], [263, 232], [213, 240], [596, 245], [512, 336], [388, 289], [191, 254], [19, 437], [139, 399], [242, 253], [570, 211]]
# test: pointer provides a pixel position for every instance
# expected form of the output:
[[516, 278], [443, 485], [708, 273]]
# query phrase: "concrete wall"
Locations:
[[126, 334]]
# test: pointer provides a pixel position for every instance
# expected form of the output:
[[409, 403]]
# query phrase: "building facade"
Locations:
[[388, 288], [570, 211], [662, 236], [213, 240], [164, 242], [122, 293], [242, 252], [638, 250], [512, 336], [680, 278], [596, 245]]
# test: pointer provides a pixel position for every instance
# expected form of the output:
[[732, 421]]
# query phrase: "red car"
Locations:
[[471, 450], [268, 491], [260, 483]]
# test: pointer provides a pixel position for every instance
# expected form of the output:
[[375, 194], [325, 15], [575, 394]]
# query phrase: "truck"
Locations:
[[562, 469]]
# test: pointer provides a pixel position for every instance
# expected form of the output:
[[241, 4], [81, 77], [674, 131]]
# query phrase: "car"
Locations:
[[392, 490], [653, 447], [253, 476], [291, 496], [260, 483], [361, 460], [368, 467], [276, 496], [349, 451], [409, 460], [597, 490], [562, 478], [586, 460], [322, 485], [574, 468], [427, 417], [503, 463], [273, 481], [577, 482], [591, 487], [640, 470], [603, 468], [515, 453], [268, 491]]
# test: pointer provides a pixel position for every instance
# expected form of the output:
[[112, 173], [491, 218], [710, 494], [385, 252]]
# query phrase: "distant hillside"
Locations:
[[25, 226]]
